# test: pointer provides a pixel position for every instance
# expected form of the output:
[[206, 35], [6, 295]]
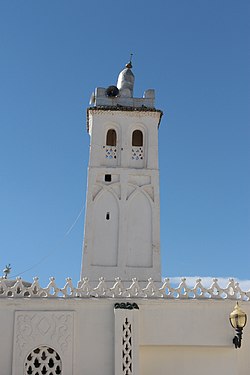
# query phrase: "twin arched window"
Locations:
[[137, 138]]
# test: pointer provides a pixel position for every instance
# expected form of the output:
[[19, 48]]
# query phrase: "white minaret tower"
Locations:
[[122, 224]]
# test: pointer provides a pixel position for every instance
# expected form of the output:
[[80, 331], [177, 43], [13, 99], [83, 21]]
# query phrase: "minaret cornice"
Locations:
[[133, 110]]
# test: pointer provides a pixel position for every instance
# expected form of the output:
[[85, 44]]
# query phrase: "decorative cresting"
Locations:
[[43, 360], [85, 289], [126, 338]]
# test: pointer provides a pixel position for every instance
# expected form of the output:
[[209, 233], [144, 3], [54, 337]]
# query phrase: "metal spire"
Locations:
[[129, 64]]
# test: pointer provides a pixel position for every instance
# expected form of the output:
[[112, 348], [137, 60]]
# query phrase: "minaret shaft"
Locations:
[[122, 224]]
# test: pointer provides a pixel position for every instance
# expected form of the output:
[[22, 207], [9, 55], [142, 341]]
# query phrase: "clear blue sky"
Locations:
[[196, 55]]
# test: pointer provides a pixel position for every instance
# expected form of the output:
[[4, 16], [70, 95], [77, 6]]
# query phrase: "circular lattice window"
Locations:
[[43, 361]]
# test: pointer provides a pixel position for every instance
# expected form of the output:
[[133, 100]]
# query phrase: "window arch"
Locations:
[[111, 137], [137, 138], [43, 360]]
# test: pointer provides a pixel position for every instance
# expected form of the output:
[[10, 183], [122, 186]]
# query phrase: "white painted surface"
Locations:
[[187, 361], [170, 334], [105, 230], [36, 328], [139, 235], [99, 98], [178, 337], [127, 244]]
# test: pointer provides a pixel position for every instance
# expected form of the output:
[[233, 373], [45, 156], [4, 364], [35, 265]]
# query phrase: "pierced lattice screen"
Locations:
[[127, 347], [43, 360], [137, 153]]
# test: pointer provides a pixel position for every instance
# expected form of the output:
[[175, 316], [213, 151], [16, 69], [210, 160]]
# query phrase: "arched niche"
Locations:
[[110, 147], [137, 138], [137, 156], [139, 233], [105, 229], [111, 137]]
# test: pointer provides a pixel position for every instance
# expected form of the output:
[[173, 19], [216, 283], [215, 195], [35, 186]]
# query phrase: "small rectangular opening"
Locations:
[[107, 216], [107, 178]]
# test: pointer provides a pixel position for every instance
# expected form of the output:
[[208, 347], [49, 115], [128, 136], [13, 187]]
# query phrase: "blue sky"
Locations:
[[195, 54]]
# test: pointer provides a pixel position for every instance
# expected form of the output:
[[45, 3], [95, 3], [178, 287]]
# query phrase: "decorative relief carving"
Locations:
[[114, 188], [150, 191], [46, 327], [130, 190], [139, 180], [96, 190]]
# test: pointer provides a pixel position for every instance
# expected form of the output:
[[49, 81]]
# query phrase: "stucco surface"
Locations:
[[183, 336]]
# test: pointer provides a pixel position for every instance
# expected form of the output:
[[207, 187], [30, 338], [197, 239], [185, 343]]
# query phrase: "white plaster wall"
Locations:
[[7, 336], [124, 122], [163, 360], [186, 322], [36, 328], [139, 237], [105, 230], [175, 336], [128, 245]]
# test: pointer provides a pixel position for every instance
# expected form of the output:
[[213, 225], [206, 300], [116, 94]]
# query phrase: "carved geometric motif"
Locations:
[[43, 326], [48, 329], [47, 326]]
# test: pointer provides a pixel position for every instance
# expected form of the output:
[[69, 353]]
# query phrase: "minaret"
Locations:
[[122, 223]]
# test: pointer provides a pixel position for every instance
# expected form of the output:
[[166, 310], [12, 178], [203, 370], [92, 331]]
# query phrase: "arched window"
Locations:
[[43, 360], [137, 138], [111, 137]]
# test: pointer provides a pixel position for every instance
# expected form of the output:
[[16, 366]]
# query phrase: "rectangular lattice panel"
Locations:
[[126, 341]]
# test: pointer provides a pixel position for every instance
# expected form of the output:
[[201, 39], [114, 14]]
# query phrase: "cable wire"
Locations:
[[61, 241]]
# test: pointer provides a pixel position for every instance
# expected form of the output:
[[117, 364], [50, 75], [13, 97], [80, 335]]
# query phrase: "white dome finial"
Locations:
[[126, 79]]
